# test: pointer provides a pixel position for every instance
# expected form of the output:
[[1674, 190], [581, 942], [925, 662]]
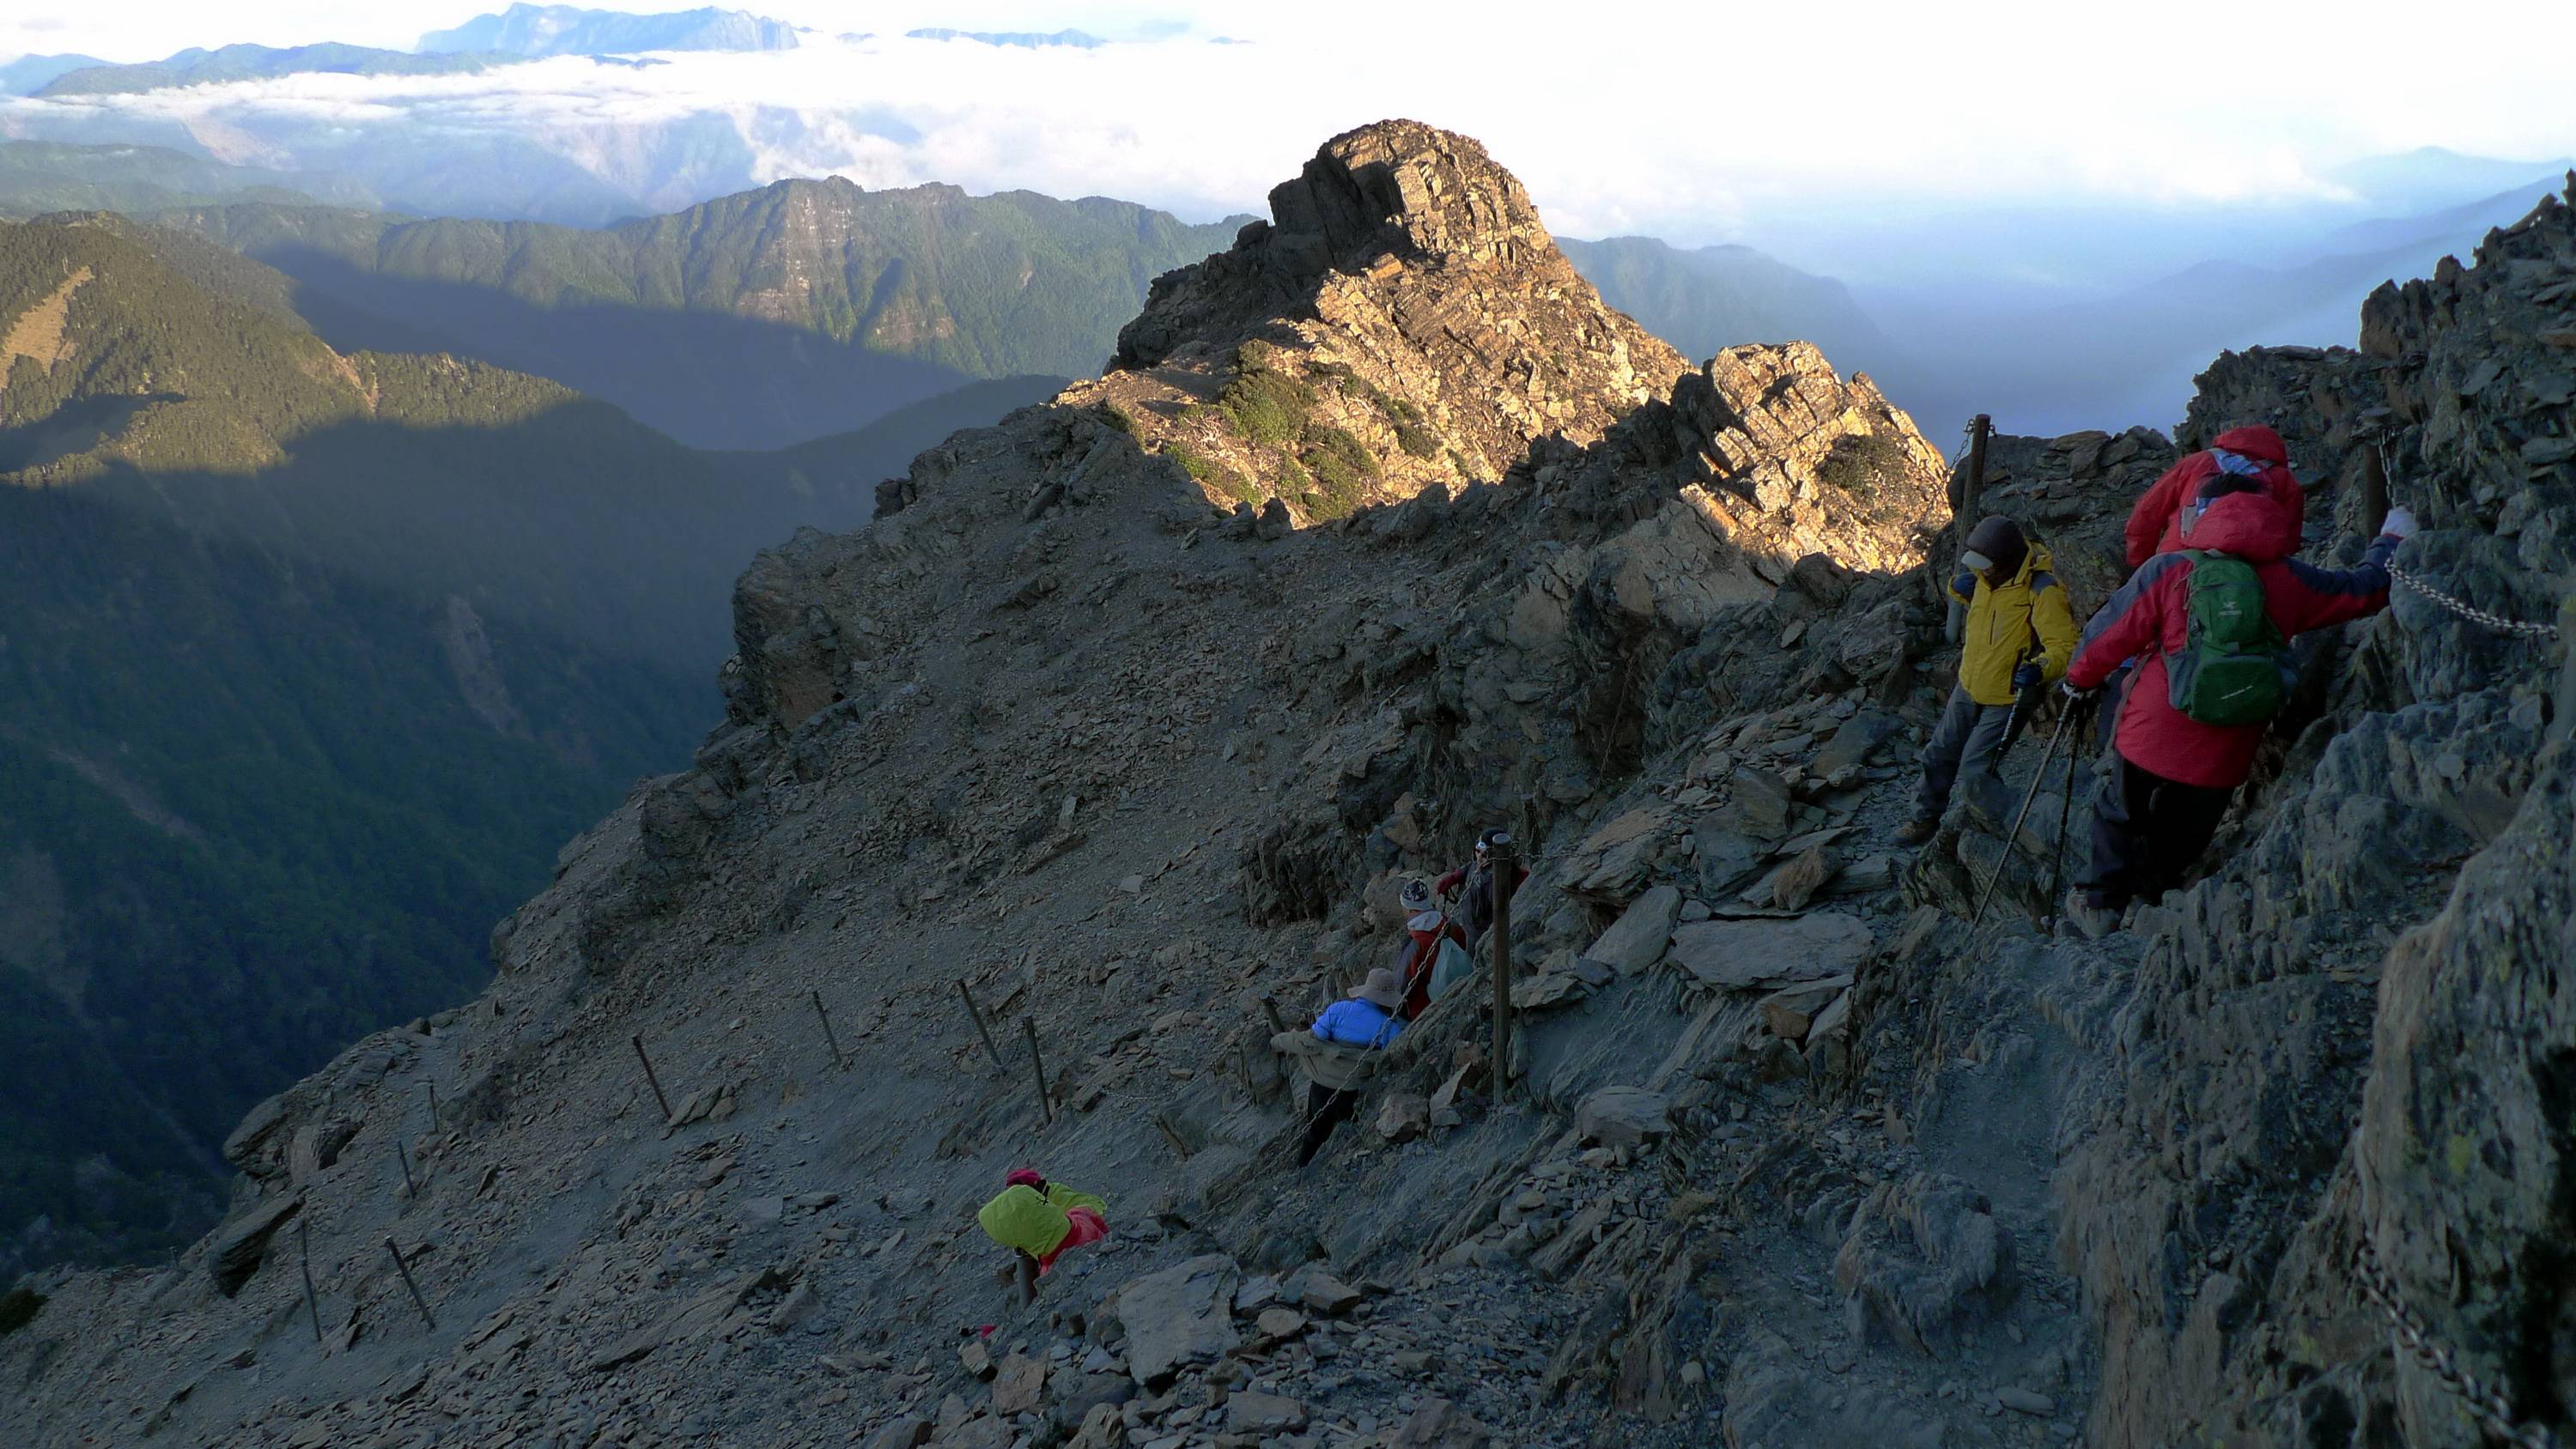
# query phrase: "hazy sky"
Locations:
[[1679, 120]]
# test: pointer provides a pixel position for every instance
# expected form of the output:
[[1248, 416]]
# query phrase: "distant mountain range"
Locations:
[[259, 62], [41, 176], [1715, 297], [543, 30], [2430, 179], [29, 74], [2052, 360], [770, 317], [1023, 39], [691, 320]]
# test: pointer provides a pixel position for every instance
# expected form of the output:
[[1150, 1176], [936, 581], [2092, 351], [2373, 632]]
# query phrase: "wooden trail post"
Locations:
[[411, 1189], [1964, 516], [828, 1039], [977, 1017], [416, 1300], [651, 1080], [304, 1251], [1037, 1065], [1503, 871]]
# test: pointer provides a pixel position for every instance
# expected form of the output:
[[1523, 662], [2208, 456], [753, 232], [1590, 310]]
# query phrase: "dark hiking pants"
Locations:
[[1964, 739], [2147, 830], [1326, 1109], [1476, 903]]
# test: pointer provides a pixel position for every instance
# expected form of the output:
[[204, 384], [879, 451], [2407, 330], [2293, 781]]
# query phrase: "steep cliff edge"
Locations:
[[1789, 1154]]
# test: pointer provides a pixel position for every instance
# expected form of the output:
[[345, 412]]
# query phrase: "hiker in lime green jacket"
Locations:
[[1038, 1220]]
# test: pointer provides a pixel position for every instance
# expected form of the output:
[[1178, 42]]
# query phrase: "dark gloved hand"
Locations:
[[2076, 692], [2029, 676]]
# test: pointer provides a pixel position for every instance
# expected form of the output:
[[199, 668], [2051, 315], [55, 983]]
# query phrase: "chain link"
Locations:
[[2387, 444], [2470, 611], [2490, 1408]]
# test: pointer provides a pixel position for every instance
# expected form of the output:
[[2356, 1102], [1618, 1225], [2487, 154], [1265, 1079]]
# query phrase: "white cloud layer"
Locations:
[[1686, 121]]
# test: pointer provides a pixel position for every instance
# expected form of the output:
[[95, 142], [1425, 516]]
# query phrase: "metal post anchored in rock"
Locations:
[[828, 1039], [1963, 516], [651, 1080], [1503, 873], [1038, 1065], [434, 1123], [411, 1189], [977, 1017], [304, 1252], [416, 1300]]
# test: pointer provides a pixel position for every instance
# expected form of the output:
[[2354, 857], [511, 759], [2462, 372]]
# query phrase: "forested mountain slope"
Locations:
[[250, 808], [774, 316], [308, 663], [209, 410]]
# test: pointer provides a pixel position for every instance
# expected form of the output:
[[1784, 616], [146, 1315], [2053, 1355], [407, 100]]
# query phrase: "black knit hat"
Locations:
[[2000, 539]]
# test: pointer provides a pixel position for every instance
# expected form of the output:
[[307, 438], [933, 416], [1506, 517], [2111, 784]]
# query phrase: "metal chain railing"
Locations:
[[2472, 612], [2388, 475], [2491, 1410]]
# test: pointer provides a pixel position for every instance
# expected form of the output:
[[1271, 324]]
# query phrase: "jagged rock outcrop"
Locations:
[[1404, 321], [2293, 1084]]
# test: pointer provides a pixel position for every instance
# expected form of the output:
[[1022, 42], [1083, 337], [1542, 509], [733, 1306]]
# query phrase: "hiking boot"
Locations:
[[1915, 832], [2090, 921]]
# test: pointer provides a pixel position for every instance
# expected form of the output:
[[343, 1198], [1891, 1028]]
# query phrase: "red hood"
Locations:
[[2258, 442], [2247, 525]]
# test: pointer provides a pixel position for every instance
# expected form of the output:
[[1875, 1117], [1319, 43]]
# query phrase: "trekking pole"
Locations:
[[2065, 812], [2025, 703], [2037, 778]]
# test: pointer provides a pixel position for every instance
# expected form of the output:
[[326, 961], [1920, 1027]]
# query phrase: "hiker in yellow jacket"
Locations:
[[1038, 1220], [2018, 637]]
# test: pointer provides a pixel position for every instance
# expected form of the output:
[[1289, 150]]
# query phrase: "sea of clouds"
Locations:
[[1682, 122]]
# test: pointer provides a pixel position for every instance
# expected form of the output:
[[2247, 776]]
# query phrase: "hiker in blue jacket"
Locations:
[[1365, 1019]]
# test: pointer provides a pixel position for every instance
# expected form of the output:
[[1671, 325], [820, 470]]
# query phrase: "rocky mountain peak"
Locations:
[[1401, 186], [1402, 321], [1371, 201]]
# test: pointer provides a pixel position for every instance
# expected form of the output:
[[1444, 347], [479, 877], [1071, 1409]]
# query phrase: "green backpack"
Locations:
[[2229, 670]]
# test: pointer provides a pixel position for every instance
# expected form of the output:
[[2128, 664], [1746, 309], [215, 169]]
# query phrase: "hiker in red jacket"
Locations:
[[2255, 453], [1425, 927], [2209, 624]]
